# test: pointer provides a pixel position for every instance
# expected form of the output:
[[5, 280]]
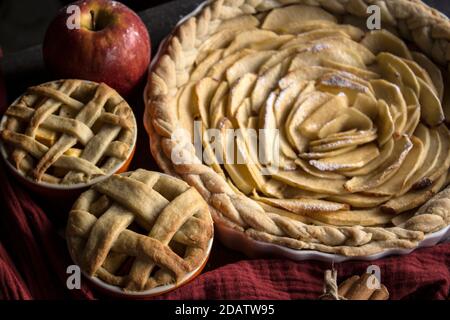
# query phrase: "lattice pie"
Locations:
[[68, 131], [354, 136], [139, 230]]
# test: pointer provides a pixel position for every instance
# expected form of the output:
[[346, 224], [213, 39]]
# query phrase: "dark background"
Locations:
[[23, 22]]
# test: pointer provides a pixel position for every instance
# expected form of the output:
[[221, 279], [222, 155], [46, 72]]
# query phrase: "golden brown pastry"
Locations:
[[359, 117], [139, 230], [68, 131]]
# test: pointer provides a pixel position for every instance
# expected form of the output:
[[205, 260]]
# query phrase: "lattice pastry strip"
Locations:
[[84, 128], [44, 107], [158, 224]]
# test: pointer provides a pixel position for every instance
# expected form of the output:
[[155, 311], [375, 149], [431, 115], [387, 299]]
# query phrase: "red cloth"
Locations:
[[11, 284], [33, 262], [2, 90]]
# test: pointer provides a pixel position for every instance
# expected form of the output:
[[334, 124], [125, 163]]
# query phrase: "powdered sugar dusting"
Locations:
[[329, 166], [319, 47], [336, 144]]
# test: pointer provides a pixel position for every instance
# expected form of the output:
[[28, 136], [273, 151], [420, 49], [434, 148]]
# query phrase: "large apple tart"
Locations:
[[354, 139], [68, 132]]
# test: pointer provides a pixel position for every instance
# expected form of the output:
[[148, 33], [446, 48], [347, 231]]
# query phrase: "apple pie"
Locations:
[[139, 230], [68, 132], [338, 133]]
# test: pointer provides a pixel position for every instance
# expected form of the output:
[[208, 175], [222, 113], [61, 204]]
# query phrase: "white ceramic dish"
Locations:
[[240, 242], [236, 240], [118, 292]]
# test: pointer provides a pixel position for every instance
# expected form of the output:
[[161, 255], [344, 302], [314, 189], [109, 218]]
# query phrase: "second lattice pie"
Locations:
[[140, 230]]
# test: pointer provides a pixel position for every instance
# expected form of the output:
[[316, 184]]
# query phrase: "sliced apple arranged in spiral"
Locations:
[[332, 124]]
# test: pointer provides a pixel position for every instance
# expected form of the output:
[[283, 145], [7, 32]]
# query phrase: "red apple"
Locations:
[[110, 44]]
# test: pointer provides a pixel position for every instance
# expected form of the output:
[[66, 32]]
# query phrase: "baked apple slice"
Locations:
[[324, 114], [300, 113], [202, 68], [303, 73], [305, 181], [359, 72], [391, 94], [358, 200], [312, 170], [367, 104], [296, 27], [239, 91], [431, 147], [244, 39], [218, 70], [341, 83], [270, 44], [385, 123], [321, 155], [395, 185], [376, 178], [414, 198], [397, 71], [423, 74], [357, 140], [218, 104], [265, 84], [304, 206], [432, 70], [413, 120], [350, 118], [443, 158], [385, 152], [352, 160], [384, 41], [368, 217], [204, 91], [248, 64], [280, 17], [431, 108], [352, 32]]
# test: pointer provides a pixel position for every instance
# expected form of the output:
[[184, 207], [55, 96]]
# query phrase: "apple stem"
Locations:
[[92, 20]]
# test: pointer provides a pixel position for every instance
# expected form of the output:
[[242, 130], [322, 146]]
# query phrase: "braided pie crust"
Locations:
[[363, 141]]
